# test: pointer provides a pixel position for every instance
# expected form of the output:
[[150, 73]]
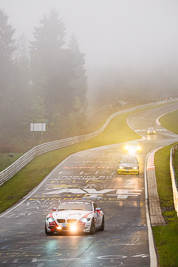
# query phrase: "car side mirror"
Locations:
[[97, 209], [54, 209]]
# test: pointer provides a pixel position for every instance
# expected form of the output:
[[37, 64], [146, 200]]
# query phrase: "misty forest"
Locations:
[[44, 80], [42, 83]]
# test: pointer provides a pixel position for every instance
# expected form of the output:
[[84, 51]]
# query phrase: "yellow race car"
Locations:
[[128, 165]]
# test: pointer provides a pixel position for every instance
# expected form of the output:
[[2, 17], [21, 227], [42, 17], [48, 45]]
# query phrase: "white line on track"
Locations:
[[153, 257], [33, 191]]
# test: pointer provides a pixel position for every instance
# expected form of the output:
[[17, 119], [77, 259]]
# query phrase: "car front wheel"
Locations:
[[92, 228], [102, 225], [48, 233]]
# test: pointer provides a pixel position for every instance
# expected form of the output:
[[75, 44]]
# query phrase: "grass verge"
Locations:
[[6, 160], [170, 121], [166, 236]]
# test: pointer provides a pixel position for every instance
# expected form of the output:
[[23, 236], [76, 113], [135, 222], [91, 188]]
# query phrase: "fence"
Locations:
[[173, 178], [10, 171]]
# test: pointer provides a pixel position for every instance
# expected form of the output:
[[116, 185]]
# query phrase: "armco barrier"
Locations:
[[174, 184], [10, 171]]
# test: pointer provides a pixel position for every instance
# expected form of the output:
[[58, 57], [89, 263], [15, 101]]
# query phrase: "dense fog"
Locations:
[[71, 57]]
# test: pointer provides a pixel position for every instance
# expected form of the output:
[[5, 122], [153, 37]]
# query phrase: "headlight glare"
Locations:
[[84, 220], [73, 228], [50, 219]]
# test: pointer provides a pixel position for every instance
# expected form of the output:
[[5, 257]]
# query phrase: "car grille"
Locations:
[[68, 221], [61, 220], [71, 220]]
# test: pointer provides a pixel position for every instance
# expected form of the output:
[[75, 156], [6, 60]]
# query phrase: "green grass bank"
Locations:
[[166, 237]]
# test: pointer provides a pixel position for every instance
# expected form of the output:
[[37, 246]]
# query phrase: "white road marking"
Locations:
[[112, 257], [94, 194], [122, 196], [153, 256], [33, 191], [140, 255], [66, 190], [68, 259], [100, 192], [135, 240], [11, 215]]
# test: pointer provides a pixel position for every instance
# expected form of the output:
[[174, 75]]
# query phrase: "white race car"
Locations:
[[75, 216]]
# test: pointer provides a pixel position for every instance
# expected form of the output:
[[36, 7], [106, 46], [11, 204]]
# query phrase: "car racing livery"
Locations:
[[75, 216], [128, 165]]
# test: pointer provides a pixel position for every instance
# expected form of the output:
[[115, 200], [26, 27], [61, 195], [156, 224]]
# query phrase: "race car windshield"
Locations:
[[75, 206], [133, 144], [128, 161]]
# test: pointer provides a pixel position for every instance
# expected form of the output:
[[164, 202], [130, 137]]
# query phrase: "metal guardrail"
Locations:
[[10, 171], [174, 184]]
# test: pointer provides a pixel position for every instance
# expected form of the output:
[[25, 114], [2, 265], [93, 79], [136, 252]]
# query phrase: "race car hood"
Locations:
[[126, 165], [70, 214]]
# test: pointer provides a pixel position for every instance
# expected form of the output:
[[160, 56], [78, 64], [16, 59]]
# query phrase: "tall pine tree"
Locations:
[[52, 70], [79, 81], [7, 48]]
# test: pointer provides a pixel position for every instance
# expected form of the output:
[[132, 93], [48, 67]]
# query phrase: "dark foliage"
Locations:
[[43, 83]]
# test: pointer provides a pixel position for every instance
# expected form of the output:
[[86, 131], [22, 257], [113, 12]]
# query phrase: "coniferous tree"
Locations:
[[79, 81], [53, 71], [48, 59], [79, 89], [7, 48]]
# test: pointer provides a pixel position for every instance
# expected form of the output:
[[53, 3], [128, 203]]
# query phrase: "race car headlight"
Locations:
[[120, 167], [84, 220], [135, 167], [73, 228], [50, 219]]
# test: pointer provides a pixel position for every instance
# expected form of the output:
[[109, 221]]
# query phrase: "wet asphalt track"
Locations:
[[87, 174]]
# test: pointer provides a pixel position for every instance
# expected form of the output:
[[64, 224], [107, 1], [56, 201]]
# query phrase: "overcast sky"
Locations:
[[121, 33]]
